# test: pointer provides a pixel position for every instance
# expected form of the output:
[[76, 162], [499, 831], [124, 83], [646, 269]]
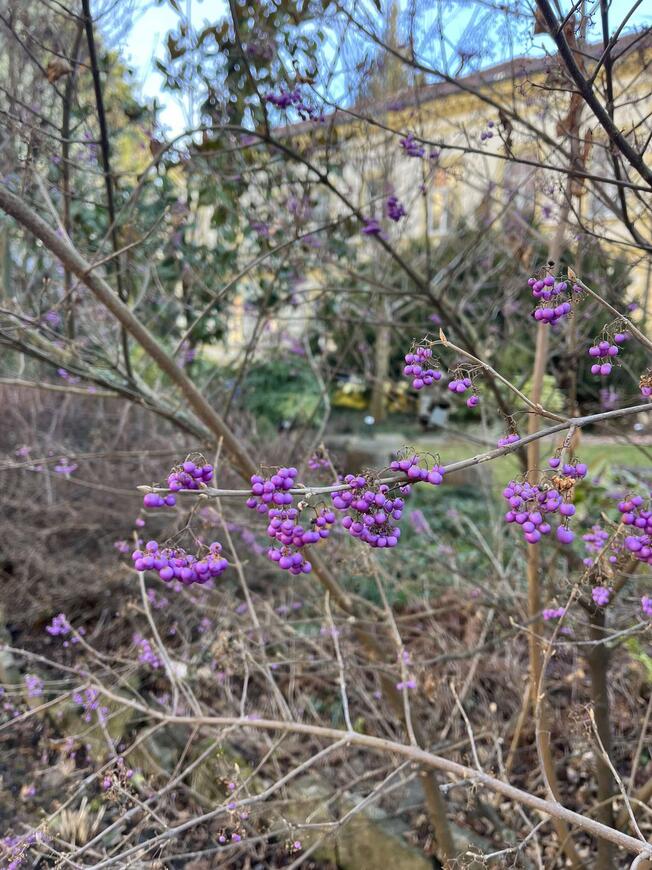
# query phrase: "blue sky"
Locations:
[[151, 23]]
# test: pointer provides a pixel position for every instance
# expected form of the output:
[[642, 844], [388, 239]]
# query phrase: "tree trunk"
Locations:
[[598, 660], [382, 351]]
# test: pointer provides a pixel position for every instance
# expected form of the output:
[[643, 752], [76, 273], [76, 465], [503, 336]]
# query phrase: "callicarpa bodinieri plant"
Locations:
[[326, 518], [372, 504]]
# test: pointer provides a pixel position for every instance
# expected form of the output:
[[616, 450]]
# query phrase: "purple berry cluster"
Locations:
[[173, 563], [574, 470], [15, 849], [187, 476], [411, 147], [601, 595], [90, 701], [395, 209], [553, 613], [603, 352], [418, 365], [459, 386], [190, 476], [371, 227], [285, 99], [488, 133], [267, 493], [284, 528], [555, 303], [372, 512], [645, 385], [154, 500], [530, 505], [414, 472], [318, 461], [506, 440], [273, 498], [596, 540], [146, 654], [60, 626], [638, 517]]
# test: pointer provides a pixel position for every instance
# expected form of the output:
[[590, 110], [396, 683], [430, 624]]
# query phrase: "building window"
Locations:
[[440, 214]]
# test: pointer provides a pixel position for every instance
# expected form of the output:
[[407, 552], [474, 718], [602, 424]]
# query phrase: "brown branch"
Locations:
[[589, 97], [422, 757], [73, 260], [106, 165]]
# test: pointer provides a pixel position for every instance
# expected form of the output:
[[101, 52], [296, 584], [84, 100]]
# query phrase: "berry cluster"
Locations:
[[553, 613], [61, 626], [603, 352], [187, 476], [290, 560], [411, 147], [530, 505], [596, 540], [318, 461], [573, 470], [272, 497], [287, 99], [488, 133], [645, 385], [15, 849], [506, 440], [371, 227], [154, 500], [146, 654], [90, 701], [547, 314], [601, 595], [372, 512], [411, 468], [459, 386], [554, 302], [395, 209], [283, 527], [639, 518], [190, 476], [173, 563], [419, 367], [266, 493]]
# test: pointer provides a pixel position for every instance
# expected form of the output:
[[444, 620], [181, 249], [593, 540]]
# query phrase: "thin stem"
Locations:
[[106, 166]]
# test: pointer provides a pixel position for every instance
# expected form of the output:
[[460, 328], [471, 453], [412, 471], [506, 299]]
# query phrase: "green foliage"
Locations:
[[551, 396], [281, 390], [638, 654]]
